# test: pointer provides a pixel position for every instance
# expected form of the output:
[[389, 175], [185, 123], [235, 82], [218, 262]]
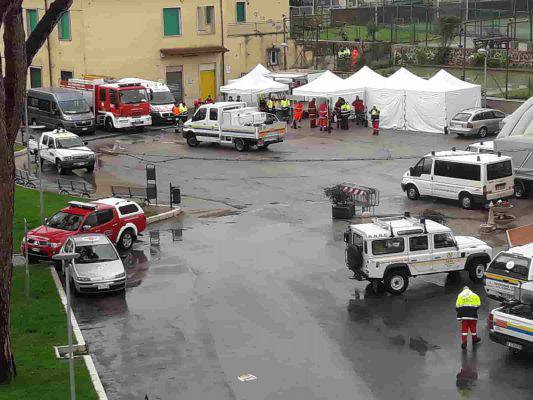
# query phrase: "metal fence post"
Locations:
[[27, 259]]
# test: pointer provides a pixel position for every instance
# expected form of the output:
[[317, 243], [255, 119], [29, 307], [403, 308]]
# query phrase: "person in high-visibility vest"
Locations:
[[184, 113], [346, 110], [298, 113], [270, 105], [374, 116], [312, 113], [467, 305], [286, 108]]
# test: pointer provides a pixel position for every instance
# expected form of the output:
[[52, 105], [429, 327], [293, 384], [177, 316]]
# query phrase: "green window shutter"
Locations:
[[171, 21], [208, 15], [35, 77], [64, 26], [33, 18], [241, 11]]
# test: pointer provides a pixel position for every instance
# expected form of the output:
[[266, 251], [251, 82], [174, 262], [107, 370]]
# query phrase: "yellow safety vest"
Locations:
[[270, 104], [467, 298]]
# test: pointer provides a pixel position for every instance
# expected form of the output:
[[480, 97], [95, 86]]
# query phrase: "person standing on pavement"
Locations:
[[467, 305], [312, 113], [374, 116], [346, 110], [298, 113], [337, 111], [323, 117]]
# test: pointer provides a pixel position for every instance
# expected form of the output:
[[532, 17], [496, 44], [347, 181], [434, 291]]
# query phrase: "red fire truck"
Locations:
[[115, 105]]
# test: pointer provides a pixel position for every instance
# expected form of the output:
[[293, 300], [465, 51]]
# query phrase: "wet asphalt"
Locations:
[[262, 288]]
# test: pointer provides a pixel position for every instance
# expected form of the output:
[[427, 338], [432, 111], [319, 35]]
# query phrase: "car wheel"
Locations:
[[482, 132], [412, 192], [192, 141], [476, 272], [109, 126], [240, 146], [126, 239], [466, 201], [396, 282], [519, 190], [59, 167]]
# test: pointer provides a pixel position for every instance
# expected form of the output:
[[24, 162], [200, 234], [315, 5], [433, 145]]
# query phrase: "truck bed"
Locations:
[[513, 326]]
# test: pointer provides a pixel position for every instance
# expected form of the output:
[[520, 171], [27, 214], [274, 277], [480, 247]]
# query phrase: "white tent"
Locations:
[[389, 96], [328, 85], [253, 84], [520, 122], [460, 95], [362, 79]]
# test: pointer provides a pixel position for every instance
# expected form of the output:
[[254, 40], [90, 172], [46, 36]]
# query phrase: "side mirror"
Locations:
[[347, 237], [85, 228], [412, 171], [45, 221]]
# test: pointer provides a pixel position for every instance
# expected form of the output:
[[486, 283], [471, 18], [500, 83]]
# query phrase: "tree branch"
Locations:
[[45, 27], [15, 68]]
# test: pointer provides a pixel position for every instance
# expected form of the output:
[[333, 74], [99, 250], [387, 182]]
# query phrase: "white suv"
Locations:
[[391, 250]]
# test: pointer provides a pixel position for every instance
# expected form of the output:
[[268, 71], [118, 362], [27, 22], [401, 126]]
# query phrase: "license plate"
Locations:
[[500, 186], [103, 286], [137, 123], [514, 345]]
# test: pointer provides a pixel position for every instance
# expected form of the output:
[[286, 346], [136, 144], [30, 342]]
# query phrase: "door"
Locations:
[[493, 124], [174, 77], [45, 151], [207, 83], [446, 256], [422, 177], [103, 222], [45, 113], [420, 255]]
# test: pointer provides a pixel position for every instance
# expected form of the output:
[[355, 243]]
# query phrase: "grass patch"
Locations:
[[27, 206], [401, 34], [19, 147], [36, 325], [520, 94]]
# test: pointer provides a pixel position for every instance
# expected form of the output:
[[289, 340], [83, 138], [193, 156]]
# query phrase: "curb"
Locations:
[[95, 378], [20, 152], [163, 216]]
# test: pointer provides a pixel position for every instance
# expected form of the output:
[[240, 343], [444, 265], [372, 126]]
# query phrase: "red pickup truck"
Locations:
[[121, 220]]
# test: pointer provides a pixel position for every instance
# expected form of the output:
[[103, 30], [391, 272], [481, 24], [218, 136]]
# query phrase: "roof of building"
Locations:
[[192, 51]]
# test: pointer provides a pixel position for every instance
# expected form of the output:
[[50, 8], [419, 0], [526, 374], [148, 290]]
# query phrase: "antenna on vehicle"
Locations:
[[407, 214], [499, 154], [433, 153], [391, 232], [478, 158], [453, 149]]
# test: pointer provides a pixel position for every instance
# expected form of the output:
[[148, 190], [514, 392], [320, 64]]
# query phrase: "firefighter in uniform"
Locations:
[[312, 113], [346, 110], [298, 114], [467, 305]]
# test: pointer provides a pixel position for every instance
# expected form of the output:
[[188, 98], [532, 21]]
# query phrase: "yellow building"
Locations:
[[195, 46]]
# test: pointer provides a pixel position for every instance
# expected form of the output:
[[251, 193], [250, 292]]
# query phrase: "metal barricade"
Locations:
[[362, 196]]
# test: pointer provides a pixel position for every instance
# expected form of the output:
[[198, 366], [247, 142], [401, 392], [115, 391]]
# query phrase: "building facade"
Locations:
[[195, 46]]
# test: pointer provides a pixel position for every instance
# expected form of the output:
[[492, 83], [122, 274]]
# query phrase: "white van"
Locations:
[[461, 175]]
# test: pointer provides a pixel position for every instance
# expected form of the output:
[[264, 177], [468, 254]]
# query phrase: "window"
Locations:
[[113, 97], [45, 140], [32, 18], [99, 253], [240, 10], [488, 115], [66, 75], [462, 117], [498, 114], [64, 26], [423, 167], [200, 114], [273, 57], [128, 209], [450, 169], [388, 246], [478, 117], [520, 266], [102, 94], [499, 170], [206, 20], [91, 221], [35, 77], [418, 243], [64, 221], [43, 105], [443, 240], [172, 21], [213, 114], [104, 216]]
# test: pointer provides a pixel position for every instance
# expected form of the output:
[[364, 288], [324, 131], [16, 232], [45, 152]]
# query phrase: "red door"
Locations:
[[106, 223]]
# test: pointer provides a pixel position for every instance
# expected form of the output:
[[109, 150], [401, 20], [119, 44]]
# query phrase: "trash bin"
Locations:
[[175, 195]]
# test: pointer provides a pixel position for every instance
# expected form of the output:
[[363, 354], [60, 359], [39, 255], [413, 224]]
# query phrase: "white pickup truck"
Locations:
[[512, 324], [233, 123], [63, 149]]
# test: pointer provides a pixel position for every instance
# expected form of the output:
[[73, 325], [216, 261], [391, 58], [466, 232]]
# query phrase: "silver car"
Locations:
[[99, 267], [476, 122]]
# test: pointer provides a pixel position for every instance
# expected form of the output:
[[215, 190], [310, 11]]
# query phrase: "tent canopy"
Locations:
[[327, 85], [254, 83], [259, 69], [450, 82], [363, 78]]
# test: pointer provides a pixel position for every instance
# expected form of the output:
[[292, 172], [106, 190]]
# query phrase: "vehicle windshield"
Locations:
[[67, 143], [65, 221], [159, 98], [79, 106], [90, 254], [499, 170], [132, 96], [462, 117], [502, 263]]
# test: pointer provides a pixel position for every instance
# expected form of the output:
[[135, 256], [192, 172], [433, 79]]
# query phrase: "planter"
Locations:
[[342, 211]]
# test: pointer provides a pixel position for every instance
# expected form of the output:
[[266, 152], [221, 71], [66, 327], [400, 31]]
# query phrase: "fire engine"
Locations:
[[116, 105]]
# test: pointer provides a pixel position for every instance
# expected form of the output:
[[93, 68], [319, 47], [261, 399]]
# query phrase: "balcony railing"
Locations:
[[255, 28]]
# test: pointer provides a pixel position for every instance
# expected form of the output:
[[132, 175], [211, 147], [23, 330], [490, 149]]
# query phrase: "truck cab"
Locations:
[[160, 98], [233, 123], [392, 250]]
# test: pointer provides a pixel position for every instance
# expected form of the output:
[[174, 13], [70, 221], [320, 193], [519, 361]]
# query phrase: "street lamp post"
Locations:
[[67, 258], [485, 53]]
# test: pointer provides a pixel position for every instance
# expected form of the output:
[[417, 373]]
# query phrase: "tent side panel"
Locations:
[[425, 111], [391, 104]]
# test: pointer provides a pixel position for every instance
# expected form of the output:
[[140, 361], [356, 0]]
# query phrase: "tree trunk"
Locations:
[[7, 169]]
